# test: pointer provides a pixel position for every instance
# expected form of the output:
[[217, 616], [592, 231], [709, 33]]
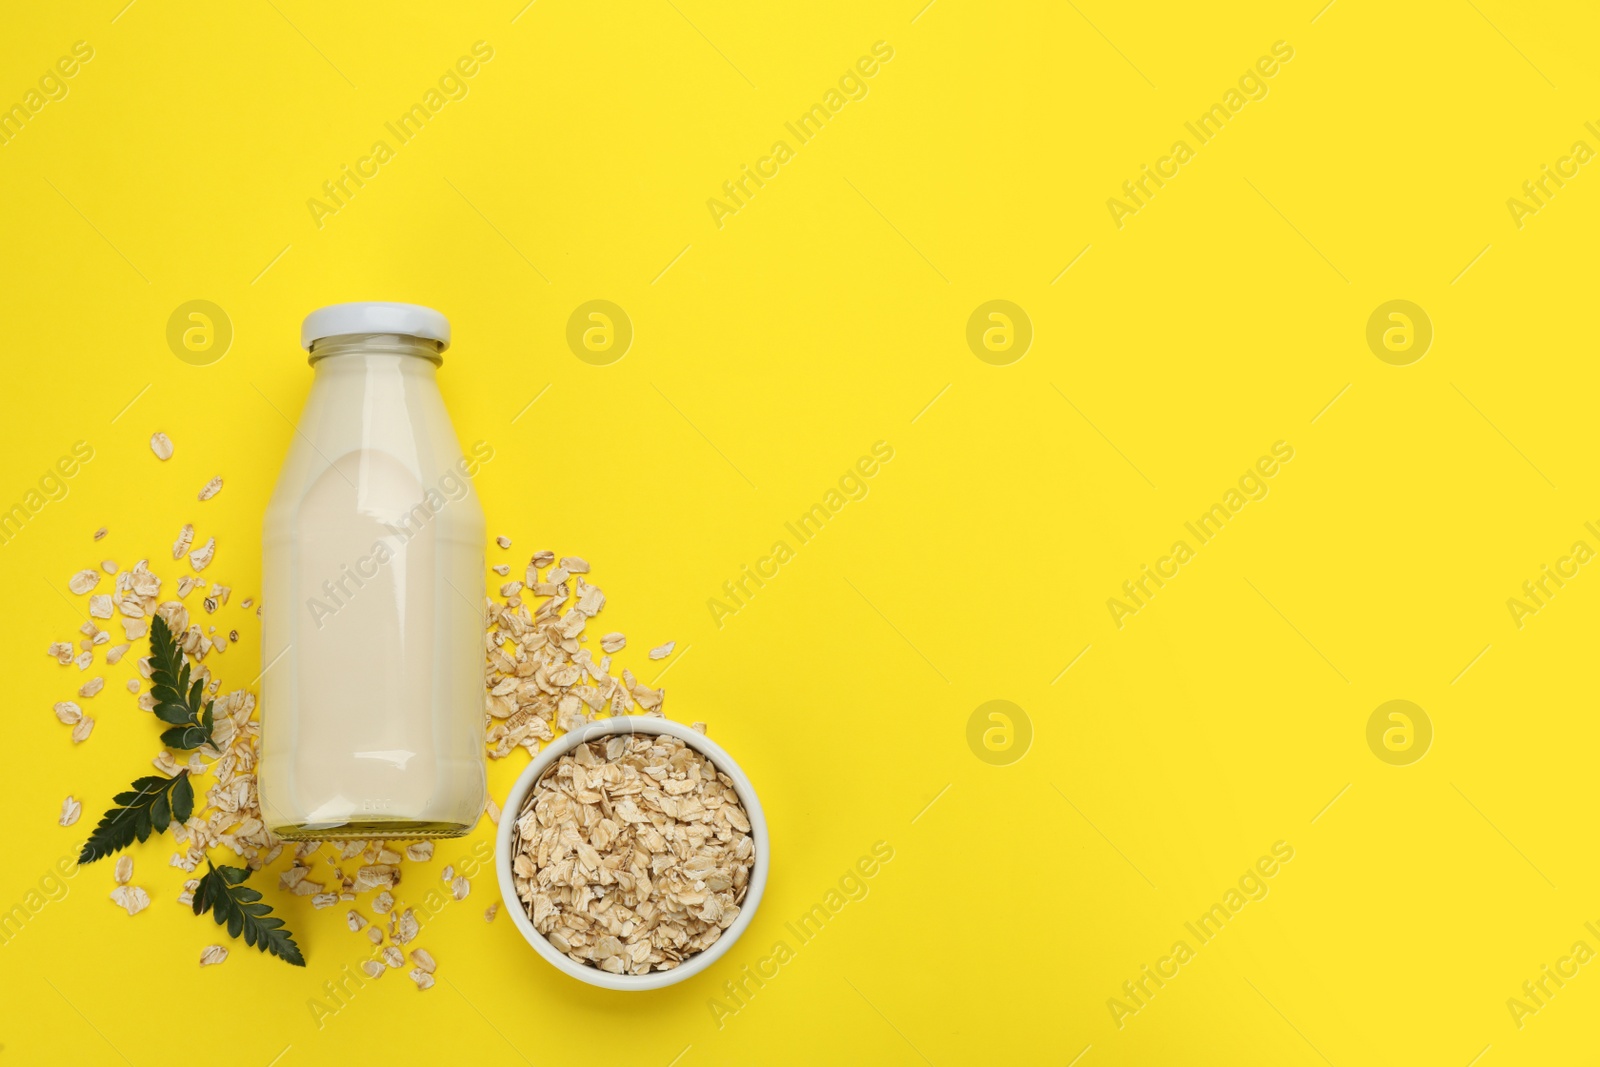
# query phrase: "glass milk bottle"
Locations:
[[373, 593]]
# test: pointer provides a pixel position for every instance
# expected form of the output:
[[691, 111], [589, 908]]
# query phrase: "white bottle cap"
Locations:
[[408, 320]]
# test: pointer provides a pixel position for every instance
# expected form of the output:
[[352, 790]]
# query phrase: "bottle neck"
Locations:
[[375, 344]]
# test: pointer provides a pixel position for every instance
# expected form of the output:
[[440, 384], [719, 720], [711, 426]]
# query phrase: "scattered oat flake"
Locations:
[[123, 872], [161, 445], [131, 898], [460, 887], [491, 911], [181, 545], [81, 732], [503, 541], [211, 489], [373, 968], [393, 957], [100, 606], [663, 651], [68, 712], [91, 687], [84, 581], [212, 954], [100, 533], [492, 810], [423, 959], [200, 558], [502, 569], [70, 810], [423, 979], [613, 642], [420, 851], [574, 564]]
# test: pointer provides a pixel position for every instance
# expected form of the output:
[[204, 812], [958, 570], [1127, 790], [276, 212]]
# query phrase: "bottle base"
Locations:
[[372, 830]]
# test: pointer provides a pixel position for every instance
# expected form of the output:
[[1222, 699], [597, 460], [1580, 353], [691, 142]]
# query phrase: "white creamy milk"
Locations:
[[373, 593]]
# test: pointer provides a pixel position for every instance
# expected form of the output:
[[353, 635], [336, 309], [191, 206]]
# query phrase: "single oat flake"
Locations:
[[200, 558], [212, 955], [161, 445], [503, 541], [84, 581], [70, 811], [131, 898], [123, 873], [211, 489], [663, 651]]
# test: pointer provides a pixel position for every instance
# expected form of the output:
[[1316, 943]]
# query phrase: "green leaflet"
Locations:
[[235, 905], [178, 701], [149, 805]]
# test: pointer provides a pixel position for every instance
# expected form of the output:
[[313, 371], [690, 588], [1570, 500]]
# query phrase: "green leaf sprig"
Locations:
[[155, 801], [177, 701], [151, 804], [232, 903]]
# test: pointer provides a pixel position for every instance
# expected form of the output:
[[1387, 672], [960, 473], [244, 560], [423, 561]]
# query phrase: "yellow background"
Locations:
[[772, 352]]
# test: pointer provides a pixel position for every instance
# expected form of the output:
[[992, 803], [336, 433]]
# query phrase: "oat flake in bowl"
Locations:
[[637, 853]]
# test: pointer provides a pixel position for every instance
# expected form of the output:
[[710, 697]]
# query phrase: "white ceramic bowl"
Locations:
[[518, 796]]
